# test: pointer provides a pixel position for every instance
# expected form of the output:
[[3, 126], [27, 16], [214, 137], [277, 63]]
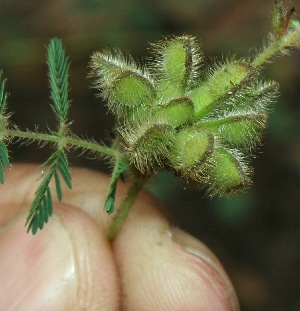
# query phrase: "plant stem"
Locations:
[[135, 188], [66, 140], [279, 45]]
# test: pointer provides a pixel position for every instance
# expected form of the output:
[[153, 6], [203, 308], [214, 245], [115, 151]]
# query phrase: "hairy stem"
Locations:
[[277, 46], [61, 139], [135, 188]]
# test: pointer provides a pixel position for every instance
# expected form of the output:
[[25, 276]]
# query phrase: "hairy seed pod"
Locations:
[[243, 130], [171, 116], [176, 112], [177, 61], [191, 148], [168, 92], [122, 81], [131, 90], [147, 145], [222, 81], [228, 173], [261, 95], [107, 65]]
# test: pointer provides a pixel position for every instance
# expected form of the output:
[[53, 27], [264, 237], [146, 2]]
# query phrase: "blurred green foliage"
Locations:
[[256, 235]]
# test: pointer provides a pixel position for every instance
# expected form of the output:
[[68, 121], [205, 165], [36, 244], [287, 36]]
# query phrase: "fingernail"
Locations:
[[194, 247]]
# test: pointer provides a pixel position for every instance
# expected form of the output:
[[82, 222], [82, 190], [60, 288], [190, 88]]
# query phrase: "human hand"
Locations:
[[70, 265]]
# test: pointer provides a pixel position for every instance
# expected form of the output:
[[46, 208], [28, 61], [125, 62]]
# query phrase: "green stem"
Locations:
[[66, 140], [135, 188], [277, 46]]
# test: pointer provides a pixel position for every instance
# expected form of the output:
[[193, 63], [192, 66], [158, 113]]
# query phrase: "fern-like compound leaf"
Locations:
[[58, 66], [42, 206]]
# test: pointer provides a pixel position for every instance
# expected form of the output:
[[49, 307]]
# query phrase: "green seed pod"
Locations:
[[227, 174], [255, 96], [239, 129], [223, 81], [168, 91], [121, 81], [175, 56], [243, 130], [147, 145], [107, 65], [131, 90], [177, 61], [191, 148], [176, 112]]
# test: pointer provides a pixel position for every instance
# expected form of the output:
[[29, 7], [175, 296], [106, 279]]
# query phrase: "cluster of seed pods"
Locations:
[[200, 123]]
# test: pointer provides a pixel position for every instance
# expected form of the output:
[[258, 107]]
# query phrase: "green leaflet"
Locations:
[[4, 154], [120, 167], [64, 169], [58, 186], [42, 212], [4, 157], [58, 67], [36, 214]]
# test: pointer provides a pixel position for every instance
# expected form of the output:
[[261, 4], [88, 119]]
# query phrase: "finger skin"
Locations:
[[159, 272], [66, 266], [70, 265]]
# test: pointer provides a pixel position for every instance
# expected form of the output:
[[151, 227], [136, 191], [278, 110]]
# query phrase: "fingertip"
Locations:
[[66, 266], [163, 268]]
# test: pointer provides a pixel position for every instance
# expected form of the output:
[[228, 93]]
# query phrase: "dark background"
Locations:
[[256, 234]]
